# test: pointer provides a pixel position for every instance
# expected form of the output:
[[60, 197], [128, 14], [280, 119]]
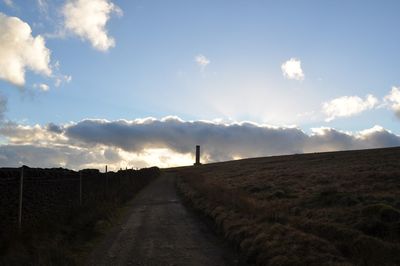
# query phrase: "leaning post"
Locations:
[[21, 191], [80, 188], [106, 188]]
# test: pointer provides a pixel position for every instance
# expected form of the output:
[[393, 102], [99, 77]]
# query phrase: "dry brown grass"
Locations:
[[315, 209]]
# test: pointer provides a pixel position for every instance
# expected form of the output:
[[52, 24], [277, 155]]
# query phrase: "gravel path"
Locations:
[[158, 230]]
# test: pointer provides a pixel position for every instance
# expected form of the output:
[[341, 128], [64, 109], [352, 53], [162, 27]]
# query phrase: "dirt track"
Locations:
[[158, 230]]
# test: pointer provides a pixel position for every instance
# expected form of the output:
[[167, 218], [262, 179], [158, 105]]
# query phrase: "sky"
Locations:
[[84, 83]]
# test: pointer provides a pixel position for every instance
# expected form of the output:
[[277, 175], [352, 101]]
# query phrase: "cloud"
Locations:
[[47, 9], [50, 156], [44, 87], [41, 86], [170, 141], [19, 51], [329, 139], [88, 19], [3, 106], [31, 135], [202, 61], [393, 99], [43, 5], [180, 136], [8, 3], [346, 106], [220, 141], [291, 69], [62, 79], [51, 127]]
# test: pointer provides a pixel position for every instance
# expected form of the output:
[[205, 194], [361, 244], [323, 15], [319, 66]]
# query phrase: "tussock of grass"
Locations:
[[316, 209]]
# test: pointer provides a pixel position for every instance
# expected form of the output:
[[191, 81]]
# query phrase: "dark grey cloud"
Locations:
[[92, 142], [54, 128], [37, 156], [112, 155], [221, 141]]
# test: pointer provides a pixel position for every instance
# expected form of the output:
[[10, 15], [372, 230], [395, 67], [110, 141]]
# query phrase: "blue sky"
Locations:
[[346, 49]]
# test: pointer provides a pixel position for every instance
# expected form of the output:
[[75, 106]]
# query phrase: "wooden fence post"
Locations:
[[80, 188], [21, 190], [106, 187]]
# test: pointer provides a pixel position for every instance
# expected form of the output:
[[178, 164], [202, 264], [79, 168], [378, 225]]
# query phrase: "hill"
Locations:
[[336, 208]]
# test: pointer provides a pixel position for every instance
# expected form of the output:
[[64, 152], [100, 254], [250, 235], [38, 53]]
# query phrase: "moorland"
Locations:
[[335, 208]]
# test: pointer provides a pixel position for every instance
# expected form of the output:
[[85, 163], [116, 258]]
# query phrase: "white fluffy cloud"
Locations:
[[19, 51], [42, 86], [348, 106], [202, 61], [88, 20], [169, 142], [291, 69], [393, 99]]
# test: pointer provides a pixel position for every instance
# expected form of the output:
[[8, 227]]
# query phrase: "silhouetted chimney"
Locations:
[[197, 155]]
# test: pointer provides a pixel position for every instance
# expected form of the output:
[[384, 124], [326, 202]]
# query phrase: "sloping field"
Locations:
[[339, 208]]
